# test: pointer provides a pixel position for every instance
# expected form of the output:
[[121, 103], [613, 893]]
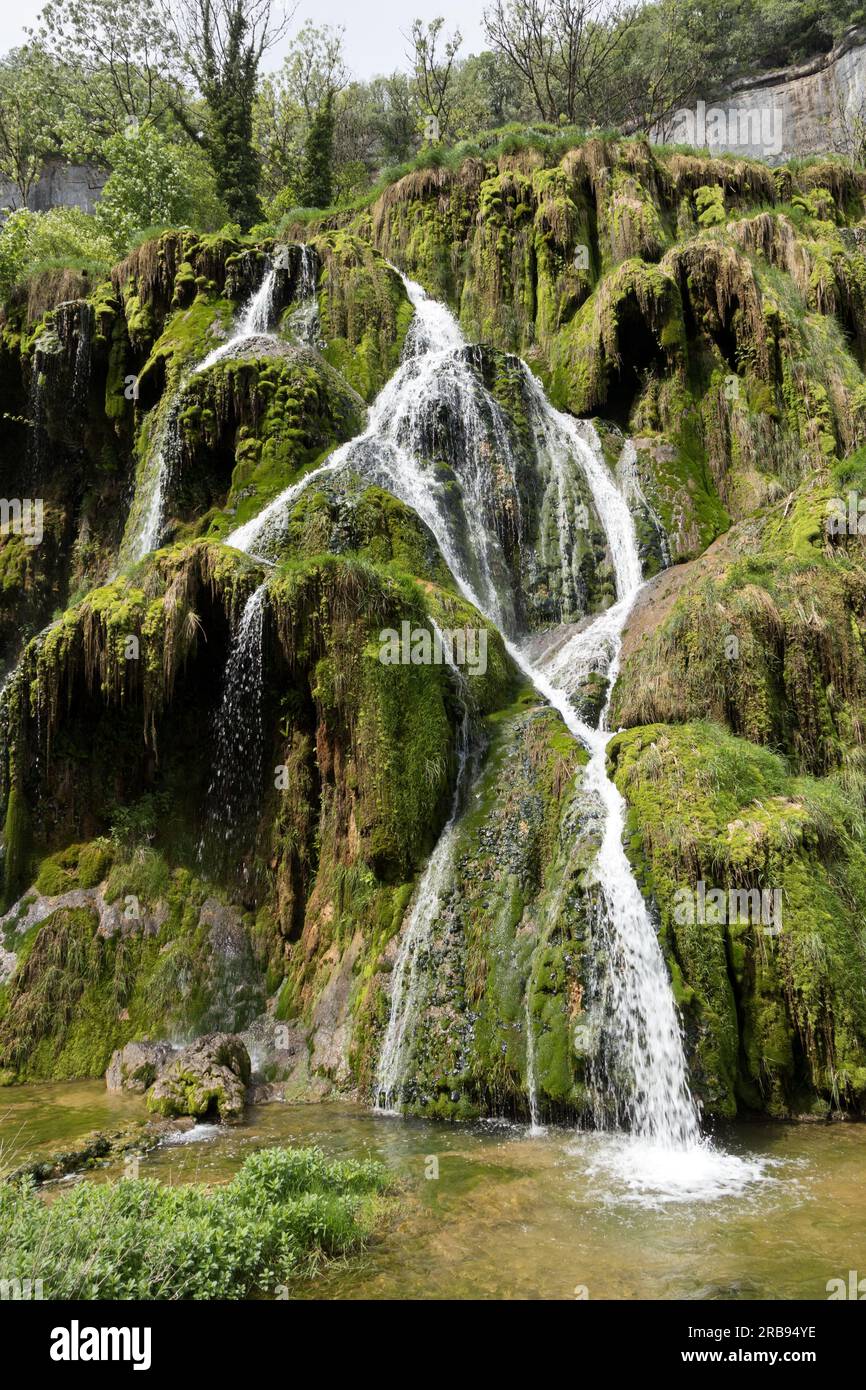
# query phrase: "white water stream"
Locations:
[[239, 733], [642, 1080], [255, 321]]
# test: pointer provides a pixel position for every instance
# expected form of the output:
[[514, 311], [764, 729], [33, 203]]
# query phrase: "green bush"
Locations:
[[32, 240], [285, 1211], [154, 182]]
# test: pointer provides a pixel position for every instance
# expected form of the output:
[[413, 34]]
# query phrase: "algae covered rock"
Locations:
[[209, 1079], [136, 1066], [759, 880]]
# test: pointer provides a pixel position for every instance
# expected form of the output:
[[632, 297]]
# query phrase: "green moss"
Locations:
[[771, 1015], [364, 311], [16, 841]]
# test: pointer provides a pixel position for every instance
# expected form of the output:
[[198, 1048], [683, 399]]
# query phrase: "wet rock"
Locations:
[[209, 1078], [136, 1066], [8, 962], [97, 1150]]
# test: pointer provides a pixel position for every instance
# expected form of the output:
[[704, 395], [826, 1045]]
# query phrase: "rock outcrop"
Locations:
[[208, 1080], [136, 1066]]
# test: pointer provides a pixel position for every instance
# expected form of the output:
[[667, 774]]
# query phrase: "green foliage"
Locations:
[[154, 182], [285, 1213], [228, 71], [61, 236], [316, 178], [29, 118]]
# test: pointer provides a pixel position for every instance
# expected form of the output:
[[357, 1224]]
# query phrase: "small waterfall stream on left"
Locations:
[[256, 320], [238, 734]]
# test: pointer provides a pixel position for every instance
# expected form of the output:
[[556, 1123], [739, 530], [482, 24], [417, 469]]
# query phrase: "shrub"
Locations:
[[285, 1211]]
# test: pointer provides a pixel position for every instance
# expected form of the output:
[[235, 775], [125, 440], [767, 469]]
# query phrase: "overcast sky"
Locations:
[[374, 41]]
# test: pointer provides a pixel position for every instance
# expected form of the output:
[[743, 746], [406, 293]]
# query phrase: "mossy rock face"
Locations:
[[136, 1066], [246, 428], [343, 515], [764, 634], [711, 311], [66, 457], [364, 752], [364, 311], [153, 954], [656, 289], [507, 949], [769, 987]]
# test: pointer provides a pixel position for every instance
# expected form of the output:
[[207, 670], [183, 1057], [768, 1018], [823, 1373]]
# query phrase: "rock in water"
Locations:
[[136, 1066], [210, 1077]]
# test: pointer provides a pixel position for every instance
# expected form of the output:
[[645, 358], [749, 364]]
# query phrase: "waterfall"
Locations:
[[402, 438], [406, 989], [235, 784], [627, 472], [535, 1125], [640, 1079], [304, 321], [150, 502], [255, 321], [146, 520]]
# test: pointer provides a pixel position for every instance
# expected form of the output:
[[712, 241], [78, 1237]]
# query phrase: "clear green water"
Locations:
[[511, 1216]]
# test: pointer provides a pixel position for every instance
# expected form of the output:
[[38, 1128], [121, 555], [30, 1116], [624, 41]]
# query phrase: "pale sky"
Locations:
[[374, 42]]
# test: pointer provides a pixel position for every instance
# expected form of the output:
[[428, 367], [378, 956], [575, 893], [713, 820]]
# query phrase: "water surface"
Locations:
[[492, 1212]]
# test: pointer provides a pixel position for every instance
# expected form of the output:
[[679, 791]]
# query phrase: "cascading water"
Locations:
[[239, 733], [641, 1076], [304, 322], [256, 320], [627, 473], [406, 989], [394, 448]]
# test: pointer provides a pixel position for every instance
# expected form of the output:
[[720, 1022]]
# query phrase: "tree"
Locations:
[[314, 70], [278, 135], [317, 180], [153, 183], [395, 119], [28, 120], [488, 94], [222, 43], [299, 119], [565, 50], [670, 59], [434, 70], [115, 61]]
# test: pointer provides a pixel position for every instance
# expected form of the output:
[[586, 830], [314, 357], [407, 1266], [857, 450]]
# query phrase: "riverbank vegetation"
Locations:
[[285, 1214]]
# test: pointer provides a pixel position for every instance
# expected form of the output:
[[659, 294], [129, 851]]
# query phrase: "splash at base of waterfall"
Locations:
[[626, 1169]]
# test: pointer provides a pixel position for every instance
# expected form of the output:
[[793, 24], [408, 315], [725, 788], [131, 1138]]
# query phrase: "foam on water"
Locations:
[[628, 1169]]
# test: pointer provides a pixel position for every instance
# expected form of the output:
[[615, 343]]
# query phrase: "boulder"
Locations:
[[136, 1066], [209, 1078]]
